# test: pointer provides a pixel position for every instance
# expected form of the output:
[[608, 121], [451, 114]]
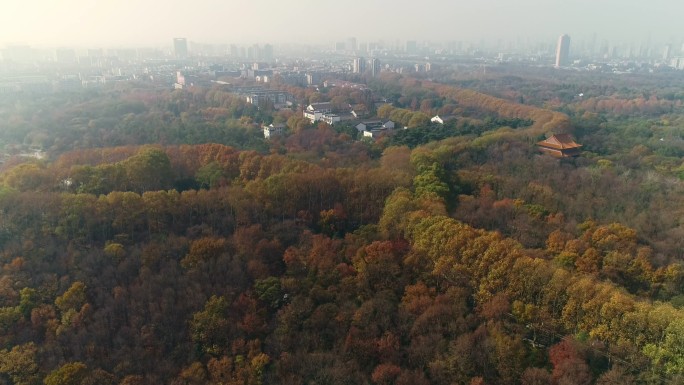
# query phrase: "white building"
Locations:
[[273, 130], [677, 62], [441, 119], [330, 118], [323, 107], [320, 111], [563, 51], [313, 116], [371, 129]]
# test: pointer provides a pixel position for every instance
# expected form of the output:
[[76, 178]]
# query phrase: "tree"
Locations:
[[569, 367], [616, 376], [150, 169], [385, 110], [20, 364], [202, 250], [385, 374], [71, 373], [210, 327], [28, 300], [72, 299], [29, 176], [210, 175], [418, 119], [269, 291], [535, 376], [430, 180], [195, 374], [670, 352]]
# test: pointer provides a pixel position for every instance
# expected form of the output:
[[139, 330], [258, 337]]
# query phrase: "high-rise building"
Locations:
[[563, 51], [254, 52], [375, 67], [351, 44], [667, 52], [180, 47], [359, 65], [267, 53]]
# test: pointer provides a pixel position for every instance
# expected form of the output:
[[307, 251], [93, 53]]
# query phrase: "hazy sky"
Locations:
[[106, 23]]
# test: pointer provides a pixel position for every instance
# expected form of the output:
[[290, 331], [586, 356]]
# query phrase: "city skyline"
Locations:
[[81, 23]]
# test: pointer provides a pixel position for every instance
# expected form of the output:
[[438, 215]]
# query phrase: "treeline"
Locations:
[[432, 98], [544, 120]]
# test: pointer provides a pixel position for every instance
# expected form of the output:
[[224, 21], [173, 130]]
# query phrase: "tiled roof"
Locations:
[[560, 141]]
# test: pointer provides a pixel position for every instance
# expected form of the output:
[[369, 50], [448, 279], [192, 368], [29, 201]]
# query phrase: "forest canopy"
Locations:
[[165, 241]]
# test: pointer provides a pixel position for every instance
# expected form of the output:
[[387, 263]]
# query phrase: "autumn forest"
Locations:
[[163, 240]]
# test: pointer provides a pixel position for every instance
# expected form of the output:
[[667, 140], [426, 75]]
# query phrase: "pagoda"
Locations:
[[560, 146]]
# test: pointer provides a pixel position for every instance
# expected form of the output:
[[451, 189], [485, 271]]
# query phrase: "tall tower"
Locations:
[[267, 53], [375, 67], [667, 52], [180, 47], [359, 65], [563, 51]]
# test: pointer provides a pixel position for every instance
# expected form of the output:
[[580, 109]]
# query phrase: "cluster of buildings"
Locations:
[[375, 128], [321, 112], [24, 69], [254, 52], [668, 59], [267, 97], [363, 66]]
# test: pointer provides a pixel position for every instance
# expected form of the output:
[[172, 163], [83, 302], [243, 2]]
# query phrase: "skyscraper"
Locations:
[[359, 65], [563, 51], [180, 47], [351, 44], [375, 67], [667, 52], [267, 53]]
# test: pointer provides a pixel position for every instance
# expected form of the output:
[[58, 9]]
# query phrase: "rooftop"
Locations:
[[560, 141]]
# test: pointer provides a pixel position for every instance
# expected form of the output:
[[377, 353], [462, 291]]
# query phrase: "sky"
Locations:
[[137, 23]]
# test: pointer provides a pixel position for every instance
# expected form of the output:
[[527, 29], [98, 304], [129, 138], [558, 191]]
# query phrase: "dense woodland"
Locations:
[[163, 240]]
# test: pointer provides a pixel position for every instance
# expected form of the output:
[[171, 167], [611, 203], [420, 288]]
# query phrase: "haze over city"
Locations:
[[83, 23]]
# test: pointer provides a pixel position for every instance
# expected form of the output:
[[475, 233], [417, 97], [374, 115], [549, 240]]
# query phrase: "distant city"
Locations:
[[185, 62]]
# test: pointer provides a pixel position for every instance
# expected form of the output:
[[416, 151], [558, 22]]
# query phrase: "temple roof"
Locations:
[[560, 141]]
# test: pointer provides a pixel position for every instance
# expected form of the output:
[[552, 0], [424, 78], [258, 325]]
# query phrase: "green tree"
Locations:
[[68, 374], [431, 180], [20, 364], [269, 291], [209, 175], [669, 353], [209, 328], [28, 299], [149, 170], [418, 119], [74, 298]]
